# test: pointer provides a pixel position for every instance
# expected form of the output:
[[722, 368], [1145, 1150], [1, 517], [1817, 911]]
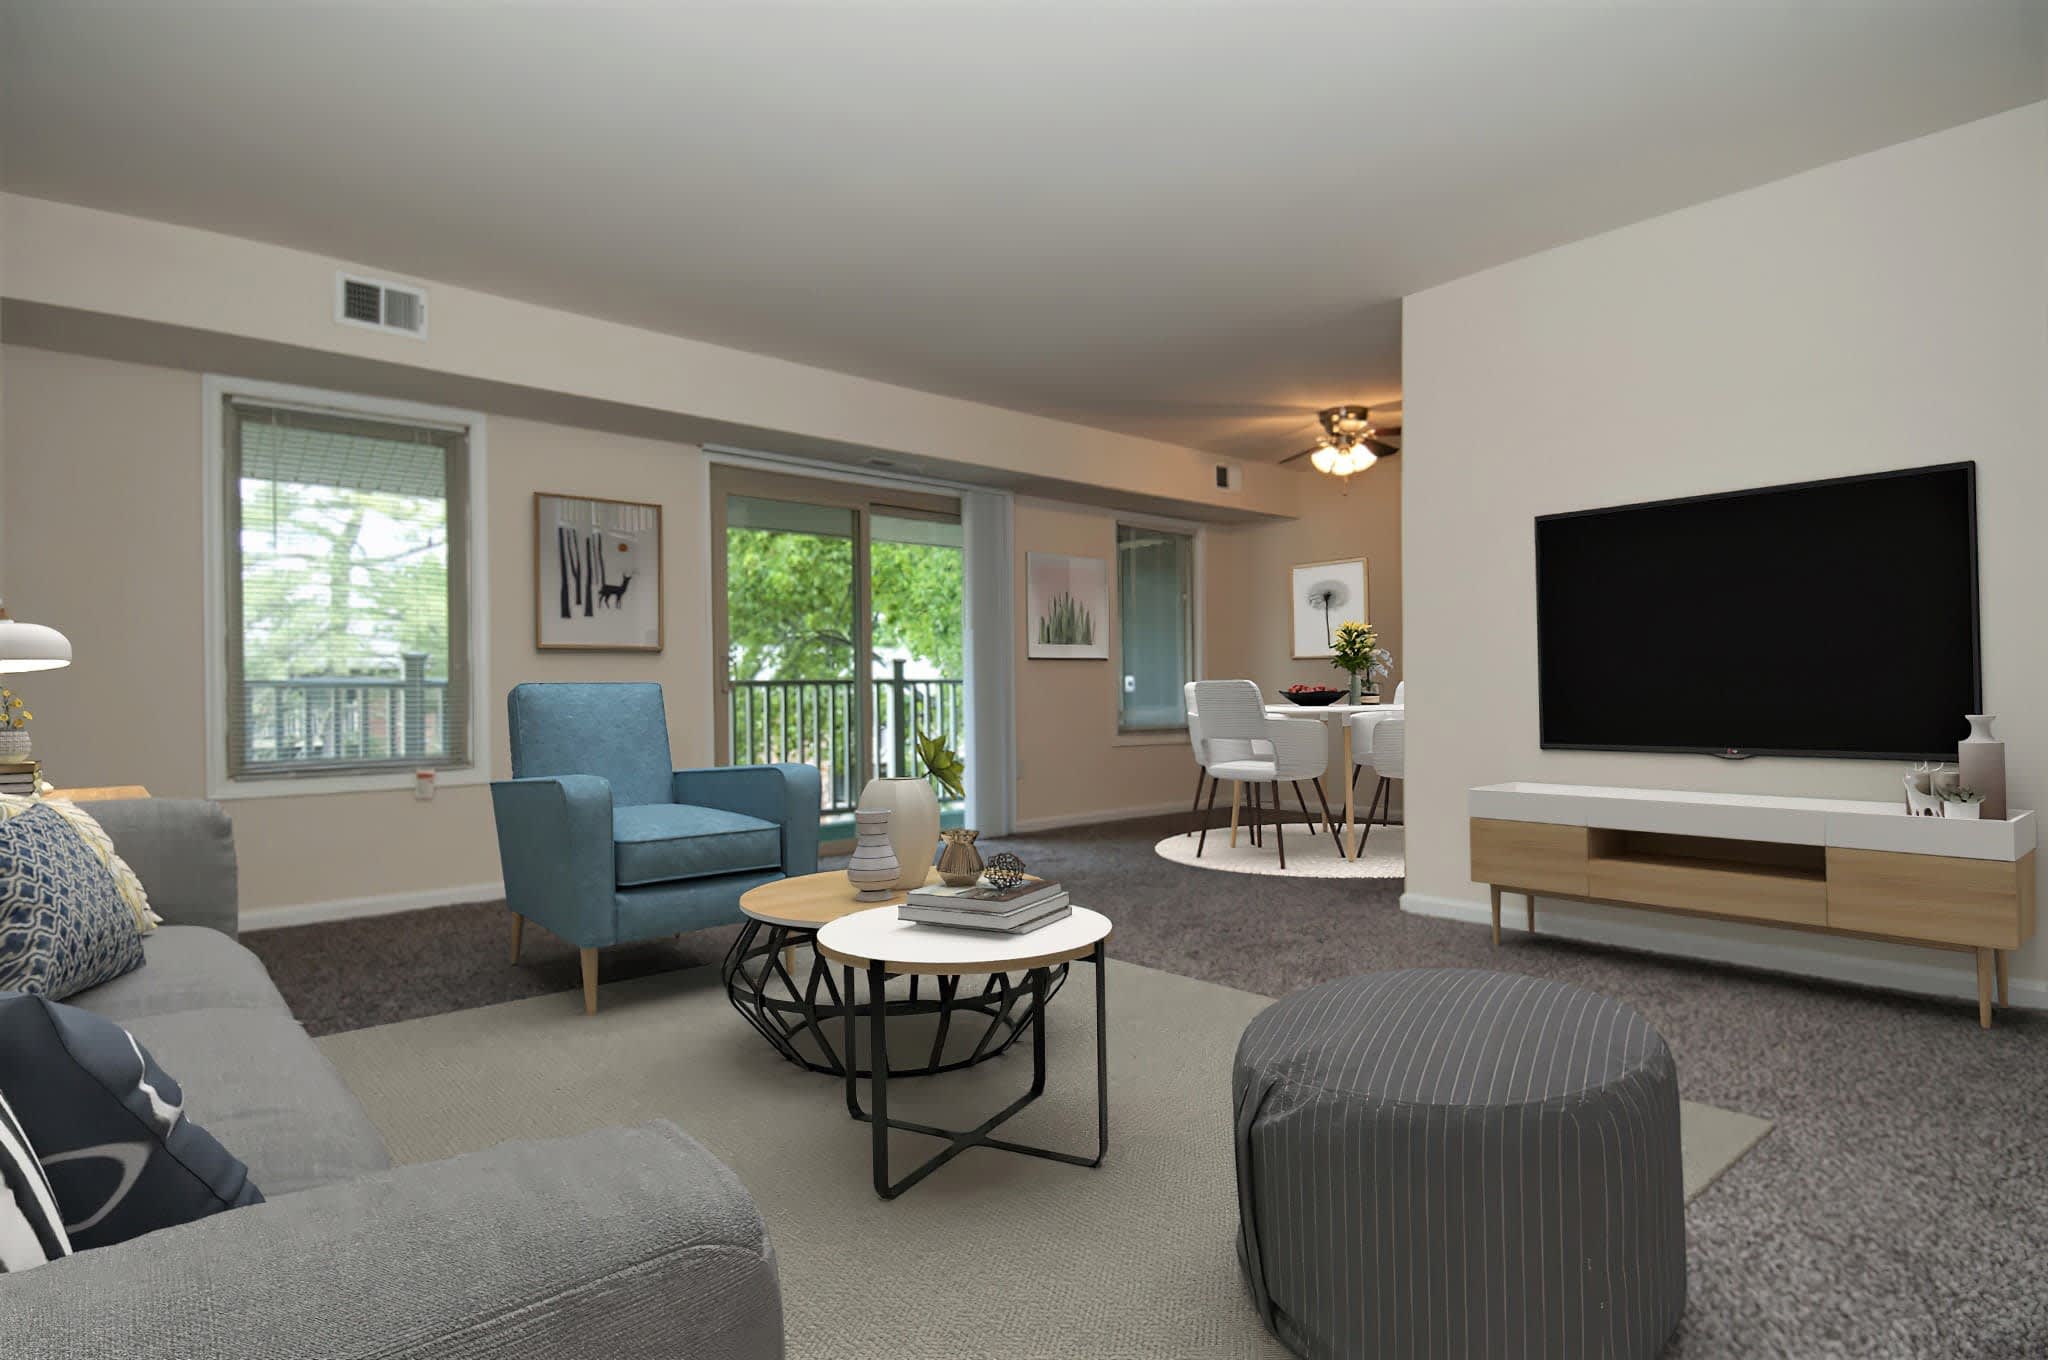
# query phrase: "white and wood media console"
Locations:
[[1839, 867]]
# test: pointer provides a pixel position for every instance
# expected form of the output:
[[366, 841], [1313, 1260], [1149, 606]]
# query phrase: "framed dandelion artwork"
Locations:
[[1321, 596], [1066, 607]]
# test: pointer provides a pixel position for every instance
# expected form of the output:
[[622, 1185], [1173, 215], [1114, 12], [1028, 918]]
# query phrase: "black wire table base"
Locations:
[[959, 1140], [775, 978]]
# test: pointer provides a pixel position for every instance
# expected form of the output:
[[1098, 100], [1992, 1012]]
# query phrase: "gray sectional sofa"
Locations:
[[619, 1243]]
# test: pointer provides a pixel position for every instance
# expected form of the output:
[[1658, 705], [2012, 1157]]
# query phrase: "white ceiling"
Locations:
[[1190, 221]]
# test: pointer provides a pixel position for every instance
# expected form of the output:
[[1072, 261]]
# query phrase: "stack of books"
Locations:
[[20, 777], [1009, 911]]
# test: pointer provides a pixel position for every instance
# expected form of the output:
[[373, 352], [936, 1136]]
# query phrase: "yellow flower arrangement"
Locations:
[[12, 714]]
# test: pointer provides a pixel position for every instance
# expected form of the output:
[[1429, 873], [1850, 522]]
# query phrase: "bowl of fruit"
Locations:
[[1311, 696]]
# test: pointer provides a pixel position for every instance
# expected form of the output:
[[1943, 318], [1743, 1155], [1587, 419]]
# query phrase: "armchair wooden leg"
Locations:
[[589, 981], [518, 930], [1236, 802]]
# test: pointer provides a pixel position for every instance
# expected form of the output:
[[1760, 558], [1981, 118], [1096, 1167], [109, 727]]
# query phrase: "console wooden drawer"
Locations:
[[1535, 855], [1981, 903], [1784, 895]]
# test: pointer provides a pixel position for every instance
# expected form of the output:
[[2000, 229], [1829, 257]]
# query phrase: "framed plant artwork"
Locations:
[[1066, 607], [1322, 595], [596, 574]]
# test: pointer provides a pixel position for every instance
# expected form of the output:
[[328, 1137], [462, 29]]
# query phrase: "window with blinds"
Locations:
[[1155, 583], [347, 594]]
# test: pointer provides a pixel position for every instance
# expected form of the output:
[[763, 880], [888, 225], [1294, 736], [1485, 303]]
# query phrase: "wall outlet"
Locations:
[[423, 785]]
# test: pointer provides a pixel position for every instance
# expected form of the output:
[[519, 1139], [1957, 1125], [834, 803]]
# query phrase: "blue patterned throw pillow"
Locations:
[[63, 925]]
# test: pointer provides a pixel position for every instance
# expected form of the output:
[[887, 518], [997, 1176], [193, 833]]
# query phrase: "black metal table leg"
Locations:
[[959, 1140]]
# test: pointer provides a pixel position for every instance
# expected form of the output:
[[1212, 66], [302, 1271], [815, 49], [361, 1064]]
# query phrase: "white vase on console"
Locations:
[[1981, 757], [913, 824]]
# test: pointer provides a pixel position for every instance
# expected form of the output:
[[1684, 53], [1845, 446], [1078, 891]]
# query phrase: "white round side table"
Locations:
[[883, 945]]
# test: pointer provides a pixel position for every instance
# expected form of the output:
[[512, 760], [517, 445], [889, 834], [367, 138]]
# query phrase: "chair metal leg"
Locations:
[[1253, 790], [1329, 822], [1195, 812], [1354, 777], [1387, 808], [1366, 831], [1208, 815], [1279, 825], [1306, 815]]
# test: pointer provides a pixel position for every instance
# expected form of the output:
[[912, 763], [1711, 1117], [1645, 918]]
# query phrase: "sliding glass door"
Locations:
[[839, 629]]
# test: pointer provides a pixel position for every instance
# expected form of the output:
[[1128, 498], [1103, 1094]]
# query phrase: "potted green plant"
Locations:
[[1957, 801], [1356, 650], [959, 862]]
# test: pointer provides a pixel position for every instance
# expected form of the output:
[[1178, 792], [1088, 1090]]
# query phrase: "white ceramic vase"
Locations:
[[1981, 758], [913, 824], [873, 870]]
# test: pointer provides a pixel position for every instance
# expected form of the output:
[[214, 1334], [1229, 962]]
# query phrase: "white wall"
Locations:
[[1883, 312]]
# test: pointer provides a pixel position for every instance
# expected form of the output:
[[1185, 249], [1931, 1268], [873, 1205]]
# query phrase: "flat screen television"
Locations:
[[1834, 618]]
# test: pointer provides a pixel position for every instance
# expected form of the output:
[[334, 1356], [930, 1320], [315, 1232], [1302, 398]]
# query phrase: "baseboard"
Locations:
[[1066, 819], [350, 908], [1944, 973]]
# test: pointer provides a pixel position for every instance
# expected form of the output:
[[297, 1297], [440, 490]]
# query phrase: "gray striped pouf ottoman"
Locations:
[[1454, 1163]]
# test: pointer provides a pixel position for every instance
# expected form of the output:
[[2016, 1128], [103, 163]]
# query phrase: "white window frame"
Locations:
[[1158, 736], [214, 391]]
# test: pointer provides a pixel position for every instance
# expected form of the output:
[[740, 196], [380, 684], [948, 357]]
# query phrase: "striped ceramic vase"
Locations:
[[873, 869]]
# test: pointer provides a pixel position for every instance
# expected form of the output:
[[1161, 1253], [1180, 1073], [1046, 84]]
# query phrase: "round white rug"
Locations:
[[1307, 856]]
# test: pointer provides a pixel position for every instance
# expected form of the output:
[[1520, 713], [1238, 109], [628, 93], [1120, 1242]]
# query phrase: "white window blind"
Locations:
[[1155, 581], [348, 644]]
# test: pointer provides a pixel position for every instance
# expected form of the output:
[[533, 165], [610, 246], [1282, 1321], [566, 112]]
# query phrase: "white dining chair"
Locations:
[[1274, 750], [1389, 759]]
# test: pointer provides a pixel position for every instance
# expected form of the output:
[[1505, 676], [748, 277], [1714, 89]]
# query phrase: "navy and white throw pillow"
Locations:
[[31, 1232], [109, 1126], [63, 924]]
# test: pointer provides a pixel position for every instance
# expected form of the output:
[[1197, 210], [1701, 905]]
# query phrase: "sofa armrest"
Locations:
[[787, 795], [555, 844], [183, 850], [622, 1242]]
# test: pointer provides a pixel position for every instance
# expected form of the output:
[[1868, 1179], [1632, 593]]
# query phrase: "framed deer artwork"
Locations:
[[596, 574]]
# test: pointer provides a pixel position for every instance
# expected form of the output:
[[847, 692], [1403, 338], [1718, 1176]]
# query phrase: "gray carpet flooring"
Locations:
[[1897, 1208]]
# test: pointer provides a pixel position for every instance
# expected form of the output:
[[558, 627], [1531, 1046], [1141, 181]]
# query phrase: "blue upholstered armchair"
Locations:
[[603, 843]]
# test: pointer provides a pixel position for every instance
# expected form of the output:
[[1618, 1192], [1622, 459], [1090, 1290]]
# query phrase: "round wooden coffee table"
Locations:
[[878, 943], [785, 989]]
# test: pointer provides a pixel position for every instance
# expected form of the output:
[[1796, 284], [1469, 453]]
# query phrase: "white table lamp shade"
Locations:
[[31, 647]]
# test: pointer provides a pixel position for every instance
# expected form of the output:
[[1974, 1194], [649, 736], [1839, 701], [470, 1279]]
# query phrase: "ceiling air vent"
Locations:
[[383, 306]]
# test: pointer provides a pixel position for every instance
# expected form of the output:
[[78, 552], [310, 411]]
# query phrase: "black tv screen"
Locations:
[[1834, 618]]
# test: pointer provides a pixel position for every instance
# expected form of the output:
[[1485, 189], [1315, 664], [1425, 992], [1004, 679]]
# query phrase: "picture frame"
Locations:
[[1066, 607], [597, 574], [1322, 595]]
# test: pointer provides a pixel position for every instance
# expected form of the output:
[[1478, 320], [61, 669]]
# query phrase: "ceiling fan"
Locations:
[[1349, 443]]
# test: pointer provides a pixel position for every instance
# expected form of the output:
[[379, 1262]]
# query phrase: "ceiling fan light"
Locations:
[[1324, 459]]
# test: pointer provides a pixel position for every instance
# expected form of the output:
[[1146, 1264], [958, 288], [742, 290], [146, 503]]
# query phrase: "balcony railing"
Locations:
[[316, 720], [816, 722]]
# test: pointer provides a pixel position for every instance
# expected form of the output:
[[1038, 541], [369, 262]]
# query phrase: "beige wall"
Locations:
[[103, 538], [102, 264], [1882, 312], [1071, 760]]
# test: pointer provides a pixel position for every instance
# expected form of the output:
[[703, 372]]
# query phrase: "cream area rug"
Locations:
[[994, 1255], [1384, 854]]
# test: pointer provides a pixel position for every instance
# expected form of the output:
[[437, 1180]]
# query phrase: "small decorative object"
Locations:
[[1066, 607], [1311, 696], [1964, 803], [959, 863], [913, 824], [1321, 596], [1921, 799], [596, 574], [14, 721], [1005, 871], [873, 869], [1981, 757]]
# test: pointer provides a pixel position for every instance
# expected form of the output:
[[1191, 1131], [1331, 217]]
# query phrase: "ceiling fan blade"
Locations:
[[1297, 457], [1381, 449]]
